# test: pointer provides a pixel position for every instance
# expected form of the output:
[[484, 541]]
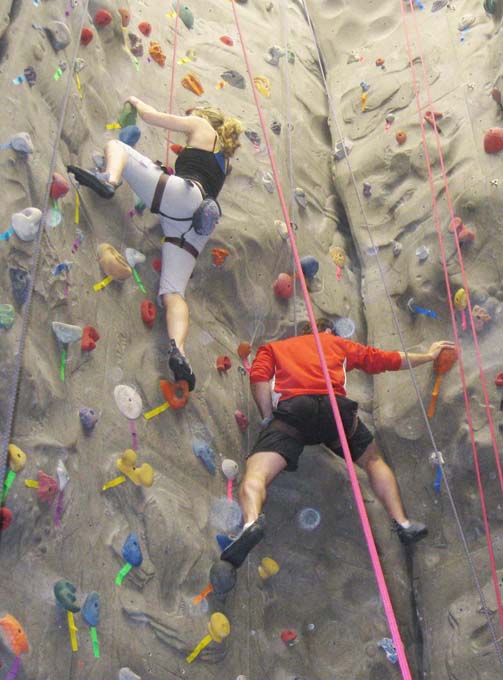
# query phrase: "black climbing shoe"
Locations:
[[412, 534], [93, 180], [238, 550], [181, 367]]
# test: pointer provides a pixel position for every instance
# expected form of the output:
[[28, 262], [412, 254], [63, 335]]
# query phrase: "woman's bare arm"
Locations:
[[186, 124]]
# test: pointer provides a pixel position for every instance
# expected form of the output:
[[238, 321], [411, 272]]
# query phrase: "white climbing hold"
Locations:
[[134, 257], [128, 401], [127, 674], [268, 181], [62, 474], [66, 333], [26, 223], [230, 468]]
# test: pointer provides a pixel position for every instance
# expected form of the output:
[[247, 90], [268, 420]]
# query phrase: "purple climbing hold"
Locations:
[[206, 455], [310, 266], [20, 282], [88, 418]]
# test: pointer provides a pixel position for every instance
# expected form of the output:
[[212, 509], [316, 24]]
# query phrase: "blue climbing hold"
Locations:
[[20, 282], [387, 645], [91, 609], [131, 551], [310, 266], [130, 135], [206, 455]]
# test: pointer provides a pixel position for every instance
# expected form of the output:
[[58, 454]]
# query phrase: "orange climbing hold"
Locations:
[[442, 365], [191, 82], [244, 350], [102, 18], [125, 16], [145, 28], [176, 148], [431, 116], [219, 256], [156, 53], [176, 394], [15, 635], [86, 36], [401, 137], [223, 363]]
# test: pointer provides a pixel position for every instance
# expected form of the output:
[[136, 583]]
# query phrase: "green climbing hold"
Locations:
[[6, 316], [127, 116], [290, 56], [185, 15], [490, 6]]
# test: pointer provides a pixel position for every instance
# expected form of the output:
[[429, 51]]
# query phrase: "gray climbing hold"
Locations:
[[397, 248], [20, 142], [273, 55], [344, 327], [127, 674], [422, 253], [88, 418], [20, 282], [234, 78], [339, 152], [66, 333], [276, 127], [58, 34], [26, 223], [300, 197], [230, 468], [79, 65], [134, 257], [268, 181]]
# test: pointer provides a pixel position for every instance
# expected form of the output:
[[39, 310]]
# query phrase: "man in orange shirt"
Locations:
[[304, 416]]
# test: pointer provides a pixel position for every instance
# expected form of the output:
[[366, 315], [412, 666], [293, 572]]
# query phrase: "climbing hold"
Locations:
[[439, 4], [20, 142], [20, 282], [185, 14], [268, 568], [91, 609], [244, 351], [134, 257], [344, 327], [253, 137], [127, 674], [218, 628], [66, 333], [422, 253], [102, 18], [379, 61], [88, 418], [227, 40], [14, 635], [17, 458], [177, 148], [230, 468], [131, 554], [145, 28], [388, 646], [47, 486], [26, 223], [30, 75], [300, 197], [309, 519], [234, 78], [136, 47], [6, 519], [480, 317], [156, 53], [415, 309], [273, 55], [127, 116], [460, 303], [289, 637], [367, 190], [390, 119], [342, 149], [397, 248], [456, 225], [128, 401], [58, 34], [466, 235], [6, 316], [130, 135], [222, 577], [140, 476], [63, 480], [431, 117], [493, 140], [490, 6], [176, 394], [223, 363], [86, 36], [191, 82], [268, 181], [263, 85], [219, 256], [112, 262], [499, 380], [338, 256], [276, 127], [401, 137], [442, 365], [157, 265], [241, 420], [206, 455], [125, 16], [310, 266], [283, 286], [90, 337], [148, 313]]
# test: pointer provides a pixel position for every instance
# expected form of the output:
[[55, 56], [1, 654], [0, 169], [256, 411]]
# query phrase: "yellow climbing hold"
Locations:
[[268, 567], [219, 628], [263, 85]]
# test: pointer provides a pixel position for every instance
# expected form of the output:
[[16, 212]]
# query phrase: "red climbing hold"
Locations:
[[227, 40], [102, 17], [145, 28], [283, 286], [86, 36], [47, 487], [125, 16], [148, 313], [59, 186], [176, 394], [5, 518], [219, 256], [432, 116], [176, 148], [244, 349], [157, 265], [241, 420], [493, 140], [456, 225], [466, 235], [90, 337], [288, 636], [499, 380], [223, 363]]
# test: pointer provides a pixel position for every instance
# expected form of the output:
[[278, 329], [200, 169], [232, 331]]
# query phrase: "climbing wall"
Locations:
[[83, 398]]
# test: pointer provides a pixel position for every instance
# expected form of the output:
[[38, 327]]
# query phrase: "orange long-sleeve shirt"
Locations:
[[296, 365]]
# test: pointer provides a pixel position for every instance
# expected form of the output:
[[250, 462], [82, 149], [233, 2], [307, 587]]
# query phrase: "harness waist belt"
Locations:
[[181, 243]]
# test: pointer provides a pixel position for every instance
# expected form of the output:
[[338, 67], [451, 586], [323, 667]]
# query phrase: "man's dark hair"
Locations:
[[322, 324]]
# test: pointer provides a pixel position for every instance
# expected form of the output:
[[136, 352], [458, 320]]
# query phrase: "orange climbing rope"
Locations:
[[386, 600]]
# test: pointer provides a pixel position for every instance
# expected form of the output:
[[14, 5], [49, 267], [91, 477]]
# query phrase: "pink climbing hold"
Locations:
[[493, 140], [102, 17], [241, 420], [283, 286], [59, 186]]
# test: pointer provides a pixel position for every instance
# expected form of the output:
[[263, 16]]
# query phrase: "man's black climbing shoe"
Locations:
[[92, 180], [412, 534], [181, 367], [238, 550]]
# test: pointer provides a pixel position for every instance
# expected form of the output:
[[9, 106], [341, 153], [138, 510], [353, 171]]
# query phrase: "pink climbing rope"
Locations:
[[172, 86], [449, 295], [381, 582]]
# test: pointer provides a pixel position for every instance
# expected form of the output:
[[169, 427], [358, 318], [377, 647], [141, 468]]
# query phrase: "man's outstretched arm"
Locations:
[[423, 358]]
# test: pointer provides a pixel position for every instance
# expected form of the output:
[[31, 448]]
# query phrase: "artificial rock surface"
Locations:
[[325, 589]]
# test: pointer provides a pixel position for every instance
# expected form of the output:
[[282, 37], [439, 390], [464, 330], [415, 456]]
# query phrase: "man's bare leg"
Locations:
[[383, 482], [261, 469]]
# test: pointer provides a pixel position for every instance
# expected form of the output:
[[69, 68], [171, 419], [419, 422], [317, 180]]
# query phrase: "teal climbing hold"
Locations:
[[186, 15], [490, 6], [6, 316]]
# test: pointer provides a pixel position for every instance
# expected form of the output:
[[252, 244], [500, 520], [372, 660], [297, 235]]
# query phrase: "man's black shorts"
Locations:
[[308, 420]]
